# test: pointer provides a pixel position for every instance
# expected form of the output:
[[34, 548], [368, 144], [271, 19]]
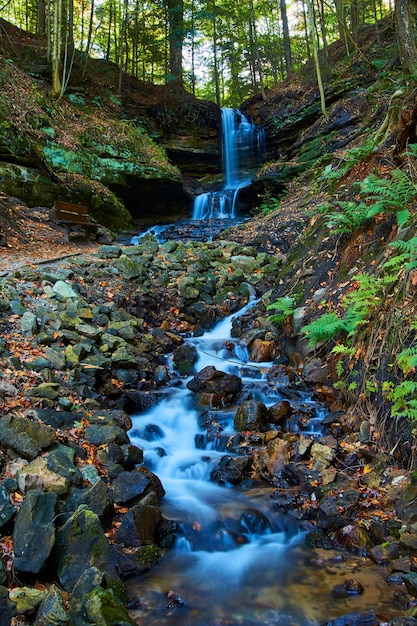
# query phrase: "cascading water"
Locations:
[[238, 561], [243, 146]]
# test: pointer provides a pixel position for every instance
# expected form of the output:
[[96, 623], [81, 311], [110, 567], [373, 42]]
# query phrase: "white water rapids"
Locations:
[[239, 561]]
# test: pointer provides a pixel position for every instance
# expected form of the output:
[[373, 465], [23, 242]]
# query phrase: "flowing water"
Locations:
[[237, 560], [243, 147]]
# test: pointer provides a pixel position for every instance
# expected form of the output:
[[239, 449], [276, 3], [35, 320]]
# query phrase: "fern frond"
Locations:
[[323, 328], [285, 308], [407, 359], [409, 247]]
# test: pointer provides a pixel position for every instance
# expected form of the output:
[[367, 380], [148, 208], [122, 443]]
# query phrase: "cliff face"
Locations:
[[123, 155]]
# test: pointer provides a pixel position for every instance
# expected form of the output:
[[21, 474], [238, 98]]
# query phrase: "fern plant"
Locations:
[[378, 195], [403, 398], [284, 308], [360, 304], [407, 359], [349, 218], [408, 254], [325, 327], [390, 195]]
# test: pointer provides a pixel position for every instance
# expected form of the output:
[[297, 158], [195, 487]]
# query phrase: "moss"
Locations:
[[104, 608], [148, 556]]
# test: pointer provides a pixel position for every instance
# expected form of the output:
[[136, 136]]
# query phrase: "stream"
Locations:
[[237, 560]]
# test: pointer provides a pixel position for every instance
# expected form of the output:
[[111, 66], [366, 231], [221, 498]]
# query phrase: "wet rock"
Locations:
[[81, 544], [368, 618], [385, 552], [254, 522], [57, 419], [147, 557], [129, 486], [322, 455], [184, 358], [271, 460], [138, 526], [60, 459], [38, 476], [402, 621], [96, 498], [231, 470], [251, 415], [348, 588], [173, 600], [101, 434], [103, 607], [27, 599], [26, 437], [132, 486], [219, 388], [52, 611], [279, 411], [132, 456], [7, 510], [329, 515], [7, 608], [355, 539], [315, 371], [262, 351], [44, 390], [408, 541], [318, 539], [89, 580], [410, 581], [34, 531]]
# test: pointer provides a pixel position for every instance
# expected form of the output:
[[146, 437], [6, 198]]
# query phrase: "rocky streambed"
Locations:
[[84, 344]]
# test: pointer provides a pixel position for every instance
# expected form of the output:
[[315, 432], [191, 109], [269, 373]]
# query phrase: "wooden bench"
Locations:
[[72, 215]]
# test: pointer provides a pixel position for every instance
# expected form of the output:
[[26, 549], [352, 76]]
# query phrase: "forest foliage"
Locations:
[[218, 50]]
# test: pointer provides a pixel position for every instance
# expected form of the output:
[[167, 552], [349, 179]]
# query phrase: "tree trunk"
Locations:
[[316, 56], [89, 37], [286, 37], [215, 59], [41, 26], [305, 24], [175, 10], [56, 49], [258, 64], [341, 23], [406, 14]]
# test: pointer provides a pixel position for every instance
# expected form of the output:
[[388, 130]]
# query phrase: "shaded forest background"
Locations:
[[218, 50]]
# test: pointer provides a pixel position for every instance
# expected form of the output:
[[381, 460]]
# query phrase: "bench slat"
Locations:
[[78, 209], [69, 216]]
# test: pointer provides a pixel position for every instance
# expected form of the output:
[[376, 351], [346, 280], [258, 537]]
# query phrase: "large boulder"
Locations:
[[34, 531], [215, 388], [27, 437], [251, 415], [81, 544]]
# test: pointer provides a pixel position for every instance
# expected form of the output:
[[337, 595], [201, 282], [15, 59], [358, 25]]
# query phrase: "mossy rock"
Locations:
[[104, 608]]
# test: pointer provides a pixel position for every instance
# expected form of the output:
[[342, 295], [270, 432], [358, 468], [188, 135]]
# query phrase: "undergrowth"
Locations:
[[371, 331]]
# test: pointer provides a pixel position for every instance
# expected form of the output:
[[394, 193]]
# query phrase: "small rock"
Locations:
[[350, 587]]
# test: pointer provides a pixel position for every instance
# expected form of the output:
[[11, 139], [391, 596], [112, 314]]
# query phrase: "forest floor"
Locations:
[[35, 238]]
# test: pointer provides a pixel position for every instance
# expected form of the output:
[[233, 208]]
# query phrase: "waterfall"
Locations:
[[243, 145]]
